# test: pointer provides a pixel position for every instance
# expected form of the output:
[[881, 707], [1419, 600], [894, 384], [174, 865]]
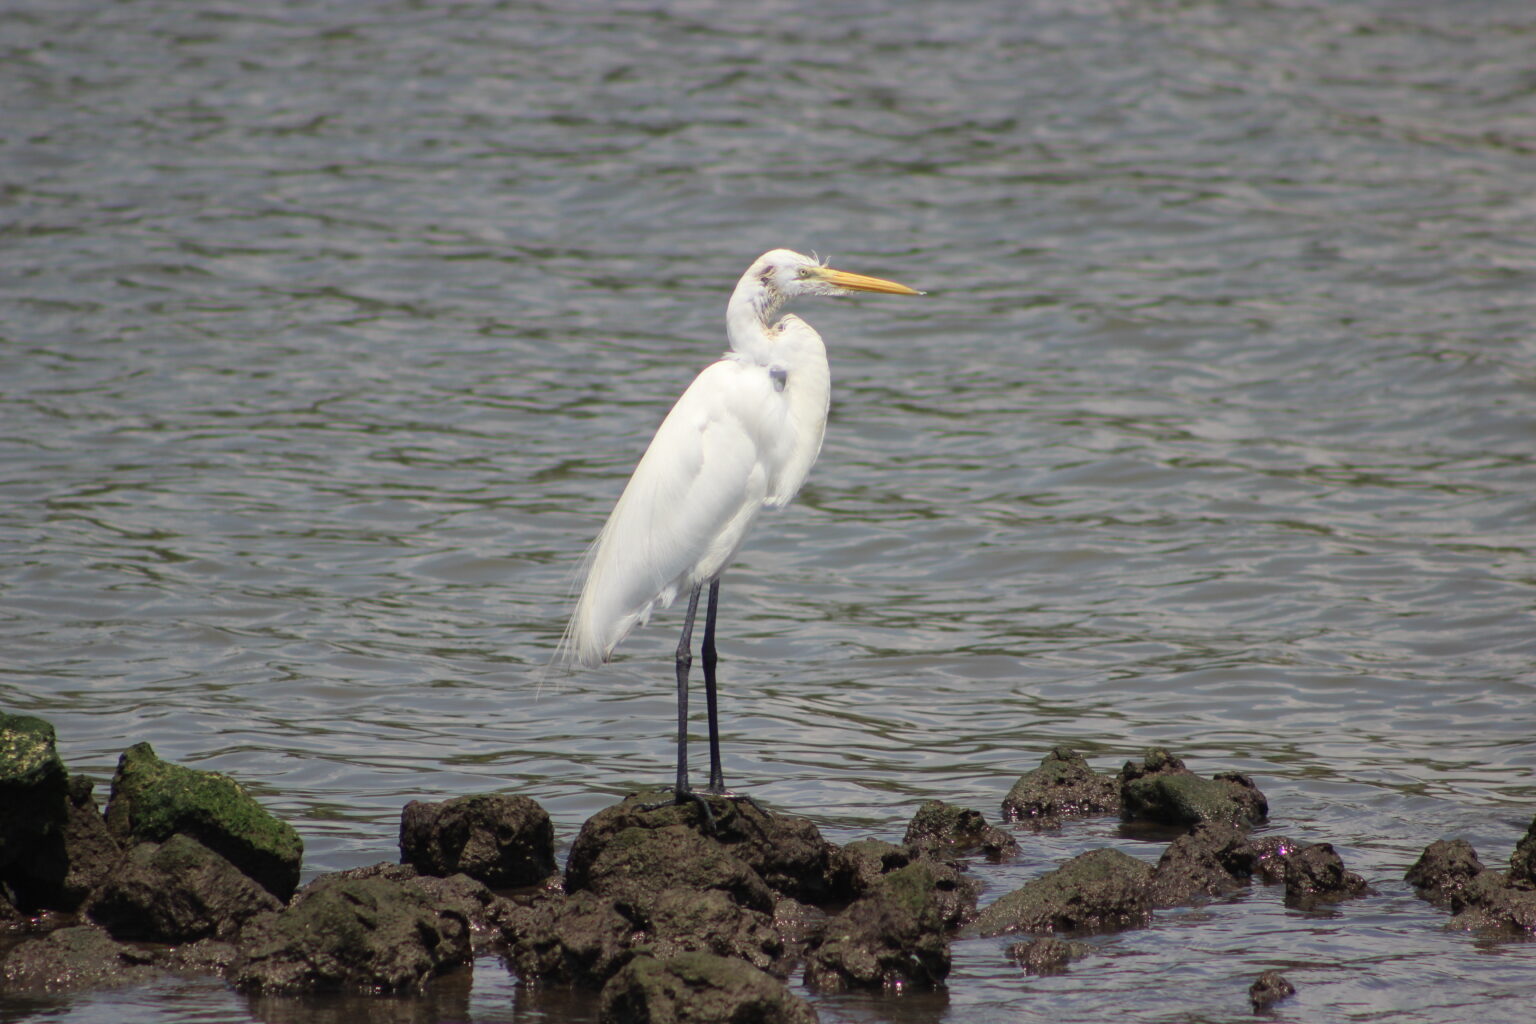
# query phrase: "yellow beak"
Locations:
[[861, 283]]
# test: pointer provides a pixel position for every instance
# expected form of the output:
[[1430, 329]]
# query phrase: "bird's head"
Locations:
[[785, 274]]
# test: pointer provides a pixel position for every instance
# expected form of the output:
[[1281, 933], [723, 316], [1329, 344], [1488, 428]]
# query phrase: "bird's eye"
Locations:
[[805, 271]]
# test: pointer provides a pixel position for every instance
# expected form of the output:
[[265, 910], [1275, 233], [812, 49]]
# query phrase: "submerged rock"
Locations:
[[698, 988], [945, 827], [1062, 787], [1444, 870], [153, 800], [501, 840], [1316, 875], [178, 891], [1211, 859], [1101, 890], [1047, 956], [1161, 789], [369, 934], [894, 937], [1268, 989]]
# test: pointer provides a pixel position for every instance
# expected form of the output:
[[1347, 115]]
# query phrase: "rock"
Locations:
[[1212, 859], [799, 925], [586, 938], [1315, 875], [1271, 852], [581, 939], [73, 959], [1047, 956], [497, 839], [178, 891], [856, 869], [33, 805], [1101, 890], [1062, 787], [1444, 870], [486, 912], [66, 863], [945, 827], [369, 934], [636, 861], [1268, 989], [153, 800], [788, 853], [698, 988], [1522, 863], [1161, 789], [1489, 903], [894, 937]]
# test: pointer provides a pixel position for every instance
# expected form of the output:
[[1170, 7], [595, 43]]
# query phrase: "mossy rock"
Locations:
[[1098, 891], [34, 786], [153, 800]]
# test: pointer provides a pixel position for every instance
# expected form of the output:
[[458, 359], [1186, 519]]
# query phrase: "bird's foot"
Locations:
[[741, 798], [681, 797]]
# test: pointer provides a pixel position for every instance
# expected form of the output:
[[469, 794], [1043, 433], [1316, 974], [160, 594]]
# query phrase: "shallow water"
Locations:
[[330, 332]]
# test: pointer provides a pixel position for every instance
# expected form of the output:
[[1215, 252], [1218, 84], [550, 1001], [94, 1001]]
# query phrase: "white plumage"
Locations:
[[742, 438]]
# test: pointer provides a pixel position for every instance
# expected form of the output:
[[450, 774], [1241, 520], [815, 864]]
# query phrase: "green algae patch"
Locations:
[[153, 800]]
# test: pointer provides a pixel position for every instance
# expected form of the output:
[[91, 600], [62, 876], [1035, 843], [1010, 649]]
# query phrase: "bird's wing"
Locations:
[[687, 506]]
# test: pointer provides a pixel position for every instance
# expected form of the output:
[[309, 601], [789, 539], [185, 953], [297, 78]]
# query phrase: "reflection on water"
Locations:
[[330, 335]]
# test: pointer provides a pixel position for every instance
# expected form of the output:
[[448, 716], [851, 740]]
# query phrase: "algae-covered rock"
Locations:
[[944, 826], [499, 839], [153, 800], [1161, 789], [1101, 890], [350, 933], [788, 853], [647, 860], [1062, 787], [178, 891], [699, 988], [33, 787], [894, 937]]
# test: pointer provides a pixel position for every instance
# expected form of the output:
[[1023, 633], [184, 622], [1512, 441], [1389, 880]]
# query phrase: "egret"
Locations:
[[741, 438]]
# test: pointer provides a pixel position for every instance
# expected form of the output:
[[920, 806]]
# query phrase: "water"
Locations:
[[331, 331]]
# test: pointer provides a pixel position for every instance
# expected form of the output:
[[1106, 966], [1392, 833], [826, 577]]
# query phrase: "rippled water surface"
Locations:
[[330, 331]]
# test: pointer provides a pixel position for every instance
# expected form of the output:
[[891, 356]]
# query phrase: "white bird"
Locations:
[[741, 439]]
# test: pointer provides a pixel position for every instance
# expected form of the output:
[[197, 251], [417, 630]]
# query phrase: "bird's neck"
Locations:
[[749, 315]]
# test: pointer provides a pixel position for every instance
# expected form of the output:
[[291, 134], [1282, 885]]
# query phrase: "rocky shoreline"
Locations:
[[670, 912]]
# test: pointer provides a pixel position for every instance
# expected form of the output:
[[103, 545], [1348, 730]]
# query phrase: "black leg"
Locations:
[[684, 661], [716, 776]]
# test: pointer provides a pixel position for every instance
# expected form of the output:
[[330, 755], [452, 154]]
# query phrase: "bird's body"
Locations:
[[742, 438]]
